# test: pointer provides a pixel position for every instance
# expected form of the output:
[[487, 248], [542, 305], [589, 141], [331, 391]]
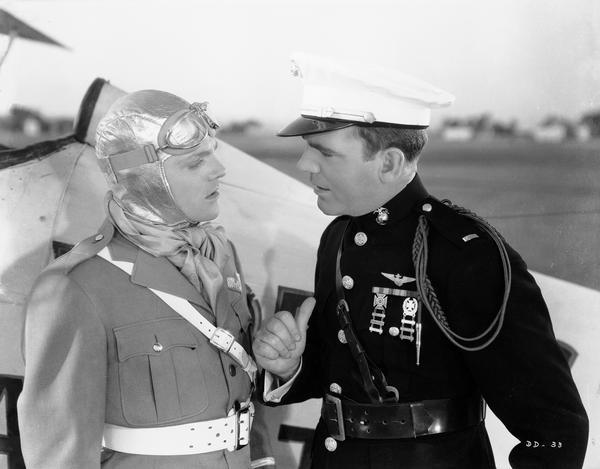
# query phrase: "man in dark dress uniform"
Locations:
[[423, 313]]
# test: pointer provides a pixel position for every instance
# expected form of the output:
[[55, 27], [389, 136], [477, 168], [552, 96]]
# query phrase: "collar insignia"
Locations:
[[235, 284], [382, 215]]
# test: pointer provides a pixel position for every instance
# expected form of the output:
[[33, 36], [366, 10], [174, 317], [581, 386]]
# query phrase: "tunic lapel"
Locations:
[[227, 299], [159, 273]]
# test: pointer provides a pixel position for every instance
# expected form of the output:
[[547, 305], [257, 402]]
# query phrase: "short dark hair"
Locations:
[[410, 141]]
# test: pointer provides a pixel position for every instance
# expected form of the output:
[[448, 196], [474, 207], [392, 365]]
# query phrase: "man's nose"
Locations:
[[218, 170], [307, 163]]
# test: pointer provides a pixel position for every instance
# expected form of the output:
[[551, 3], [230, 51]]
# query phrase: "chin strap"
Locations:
[[429, 298]]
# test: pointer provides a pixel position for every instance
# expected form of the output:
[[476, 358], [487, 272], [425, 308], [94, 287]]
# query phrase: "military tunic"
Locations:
[[522, 375], [100, 347]]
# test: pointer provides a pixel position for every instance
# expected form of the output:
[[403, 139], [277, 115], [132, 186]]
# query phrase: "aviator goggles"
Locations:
[[181, 133]]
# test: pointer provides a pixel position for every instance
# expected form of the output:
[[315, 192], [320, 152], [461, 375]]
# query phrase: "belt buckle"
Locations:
[[222, 339], [243, 415], [341, 434]]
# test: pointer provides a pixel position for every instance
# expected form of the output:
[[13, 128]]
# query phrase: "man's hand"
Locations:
[[280, 342]]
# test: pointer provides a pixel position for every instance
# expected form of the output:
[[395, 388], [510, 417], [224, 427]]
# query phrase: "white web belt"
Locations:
[[228, 433]]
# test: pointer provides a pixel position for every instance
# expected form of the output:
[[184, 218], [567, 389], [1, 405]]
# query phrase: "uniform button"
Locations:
[[232, 370], [99, 237], [360, 238], [342, 337], [393, 331], [330, 444], [157, 347], [335, 388], [427, 207], [348, 282]]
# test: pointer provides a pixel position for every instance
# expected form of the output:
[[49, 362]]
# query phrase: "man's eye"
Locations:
[[195, 164]]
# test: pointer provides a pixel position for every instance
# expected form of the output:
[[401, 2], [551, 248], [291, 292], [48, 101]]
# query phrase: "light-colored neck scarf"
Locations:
[[199, 251]]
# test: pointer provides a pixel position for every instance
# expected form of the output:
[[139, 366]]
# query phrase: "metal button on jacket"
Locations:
[[360, 238], [157, 347], [342, 337], [232, 370], [393, 331], [335, 388], [99, 237], [348, 282], [330, 444], [427, 207]]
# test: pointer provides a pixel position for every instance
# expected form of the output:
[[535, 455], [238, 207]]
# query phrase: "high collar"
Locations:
[[399, 207]]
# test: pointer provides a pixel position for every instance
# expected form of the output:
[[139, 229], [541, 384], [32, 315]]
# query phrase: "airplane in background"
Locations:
[[13, 27], [51, 196]]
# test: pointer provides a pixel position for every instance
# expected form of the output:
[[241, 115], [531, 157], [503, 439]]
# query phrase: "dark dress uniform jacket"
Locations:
[[522, 375], [90, 358]]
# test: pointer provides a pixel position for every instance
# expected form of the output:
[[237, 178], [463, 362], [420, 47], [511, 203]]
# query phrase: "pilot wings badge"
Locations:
[[398, 279]]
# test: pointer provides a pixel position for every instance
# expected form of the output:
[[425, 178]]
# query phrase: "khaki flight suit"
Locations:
[[91, 355]]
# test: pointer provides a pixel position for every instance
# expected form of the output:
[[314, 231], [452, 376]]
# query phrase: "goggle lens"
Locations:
[[186, 130]]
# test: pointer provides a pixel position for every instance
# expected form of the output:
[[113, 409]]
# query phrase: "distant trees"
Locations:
[[551, 128], [478, 125], [592, 121]]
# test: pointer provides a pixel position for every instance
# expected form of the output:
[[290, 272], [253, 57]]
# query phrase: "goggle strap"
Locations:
[[131, 159]]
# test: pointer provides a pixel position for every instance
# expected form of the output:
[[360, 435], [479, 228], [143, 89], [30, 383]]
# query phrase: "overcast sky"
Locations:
[[521, 59]]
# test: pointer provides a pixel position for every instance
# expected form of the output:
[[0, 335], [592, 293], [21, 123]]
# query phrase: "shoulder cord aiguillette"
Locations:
[[427, 293]]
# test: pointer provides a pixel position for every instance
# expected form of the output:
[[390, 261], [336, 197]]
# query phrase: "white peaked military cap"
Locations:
[[340, 94]]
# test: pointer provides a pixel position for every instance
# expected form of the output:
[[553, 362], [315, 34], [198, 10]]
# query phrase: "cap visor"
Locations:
[[307, 126]]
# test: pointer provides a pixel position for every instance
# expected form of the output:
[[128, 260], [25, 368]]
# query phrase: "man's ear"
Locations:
[[392, 164]]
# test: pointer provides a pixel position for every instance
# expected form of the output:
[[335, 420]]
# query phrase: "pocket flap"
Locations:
[[153, 337]]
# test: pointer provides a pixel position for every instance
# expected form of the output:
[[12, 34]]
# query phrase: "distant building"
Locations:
[[583, 132], [550, 133], [31, 126], [554, 129], [481, 126], [458, 133]]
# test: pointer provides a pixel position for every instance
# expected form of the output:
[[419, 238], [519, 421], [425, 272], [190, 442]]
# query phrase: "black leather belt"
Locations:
[[346, 419]]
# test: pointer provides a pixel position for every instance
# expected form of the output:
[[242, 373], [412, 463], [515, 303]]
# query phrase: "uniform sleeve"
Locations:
[[306, 383], [62, 405], [523, 375]]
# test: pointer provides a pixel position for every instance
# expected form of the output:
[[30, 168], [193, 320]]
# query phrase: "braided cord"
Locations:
[[427, 293]]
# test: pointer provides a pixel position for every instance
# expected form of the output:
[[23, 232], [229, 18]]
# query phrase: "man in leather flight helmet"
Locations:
[[110, 363]]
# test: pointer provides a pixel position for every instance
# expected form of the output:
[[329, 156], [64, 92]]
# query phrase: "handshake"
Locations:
[[280, 342]]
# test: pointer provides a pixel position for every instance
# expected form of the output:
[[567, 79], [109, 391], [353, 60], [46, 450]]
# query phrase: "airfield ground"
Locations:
[[543, 197]]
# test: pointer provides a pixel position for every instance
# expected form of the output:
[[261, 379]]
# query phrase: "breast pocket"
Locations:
[[160, 371]]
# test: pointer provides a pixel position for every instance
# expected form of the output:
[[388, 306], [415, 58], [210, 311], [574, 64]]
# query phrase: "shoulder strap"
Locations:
[[221, 338]]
